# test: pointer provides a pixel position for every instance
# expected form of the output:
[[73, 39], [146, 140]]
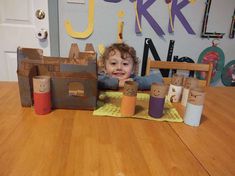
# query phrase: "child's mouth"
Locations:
[[118, 74]]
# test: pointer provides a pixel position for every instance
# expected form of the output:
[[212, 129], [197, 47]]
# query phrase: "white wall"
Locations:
[[105, 29]]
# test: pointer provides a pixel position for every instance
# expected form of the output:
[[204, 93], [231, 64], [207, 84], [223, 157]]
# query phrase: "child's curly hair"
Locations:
[[125, 51]]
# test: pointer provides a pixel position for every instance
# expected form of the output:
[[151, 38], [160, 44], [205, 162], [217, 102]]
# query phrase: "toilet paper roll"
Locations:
[[184, 98], [191, 82], [193, 114], [158, 90], [41, 94], [128, 102], [177, 80], [196, 96], [156, 106], [174, 93], [130, 88], [42, 103], [41, 84]]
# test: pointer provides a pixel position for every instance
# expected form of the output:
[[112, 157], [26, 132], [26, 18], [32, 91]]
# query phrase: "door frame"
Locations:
[[54, 27]]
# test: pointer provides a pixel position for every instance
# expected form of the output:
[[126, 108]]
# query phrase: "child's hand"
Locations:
[[122, 81]]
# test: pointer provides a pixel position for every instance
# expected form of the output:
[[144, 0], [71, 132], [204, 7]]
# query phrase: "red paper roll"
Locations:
[[42, 103]]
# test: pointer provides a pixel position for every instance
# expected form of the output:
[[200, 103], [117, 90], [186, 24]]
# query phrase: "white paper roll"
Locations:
[[174, 93], [184, 98], [193, 114]]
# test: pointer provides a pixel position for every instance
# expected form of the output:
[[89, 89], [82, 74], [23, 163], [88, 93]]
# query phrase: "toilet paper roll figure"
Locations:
[[176, 87], [42, 94], [157, 99], [194, 107], [128, 102], [189, 84]]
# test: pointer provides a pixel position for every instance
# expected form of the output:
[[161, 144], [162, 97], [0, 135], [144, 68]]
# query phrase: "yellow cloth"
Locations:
[[109, 105]]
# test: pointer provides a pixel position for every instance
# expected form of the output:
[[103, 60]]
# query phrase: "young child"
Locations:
[[120, 65]]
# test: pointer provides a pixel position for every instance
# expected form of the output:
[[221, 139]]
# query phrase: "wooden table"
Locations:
[[73, 142]]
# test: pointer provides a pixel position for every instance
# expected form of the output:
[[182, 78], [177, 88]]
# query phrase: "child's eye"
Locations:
[[113, 63], [125, 64]]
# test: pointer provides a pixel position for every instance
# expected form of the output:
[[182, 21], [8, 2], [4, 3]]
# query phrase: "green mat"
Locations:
[[109, 105]]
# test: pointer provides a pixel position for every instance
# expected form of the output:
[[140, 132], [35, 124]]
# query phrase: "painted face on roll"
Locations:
[[42, 86], [117, 67]]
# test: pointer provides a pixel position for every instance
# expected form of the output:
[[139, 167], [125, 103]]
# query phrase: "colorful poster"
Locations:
[[213, 55], [228, 74]]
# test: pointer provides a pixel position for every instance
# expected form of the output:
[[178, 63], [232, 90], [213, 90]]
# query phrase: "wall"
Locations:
[[106, 19]]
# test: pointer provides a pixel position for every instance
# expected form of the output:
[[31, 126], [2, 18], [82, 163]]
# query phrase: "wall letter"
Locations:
[[90, 27], [142, 10], [204, 33], [176, 11], [232, 28], [149, 45]]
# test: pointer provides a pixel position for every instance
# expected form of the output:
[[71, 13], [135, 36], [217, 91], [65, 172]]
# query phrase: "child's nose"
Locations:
[[119, 66]]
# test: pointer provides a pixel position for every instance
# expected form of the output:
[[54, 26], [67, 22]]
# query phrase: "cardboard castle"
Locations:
[[73, 79]]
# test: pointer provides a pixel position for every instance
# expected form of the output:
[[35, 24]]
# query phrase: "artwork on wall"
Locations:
[[142, 11], [228, 74], [204, 33], [120, 14], [176, 8], [120, 27], [90, 27], [232, 28], [214, 55], [148, 45], [169, 5], [138, 28]]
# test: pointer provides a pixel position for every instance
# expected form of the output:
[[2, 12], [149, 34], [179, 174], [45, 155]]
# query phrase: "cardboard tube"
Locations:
[[42, 95], [196, 96], [193, 114], [42, 103], [129, 98], [157, 99], [158, 90], [191, 82], [41, 84], [128, 105], [177, 80], [130, 88], [156, 106], [174, 93], [184, 98]]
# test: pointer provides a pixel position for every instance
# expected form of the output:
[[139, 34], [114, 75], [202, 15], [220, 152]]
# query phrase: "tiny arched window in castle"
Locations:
[[76, 89]]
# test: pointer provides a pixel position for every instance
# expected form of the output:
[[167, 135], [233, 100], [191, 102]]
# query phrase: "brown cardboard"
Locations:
[[196, 96], [130, 88], [177, 80], [80, 67], [191, 82], [159, 90]]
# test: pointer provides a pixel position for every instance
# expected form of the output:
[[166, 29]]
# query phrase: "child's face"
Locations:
[[117, 67]]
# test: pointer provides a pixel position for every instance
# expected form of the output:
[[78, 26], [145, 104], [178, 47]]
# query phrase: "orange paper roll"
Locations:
[[128, 106], [129, 98]]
